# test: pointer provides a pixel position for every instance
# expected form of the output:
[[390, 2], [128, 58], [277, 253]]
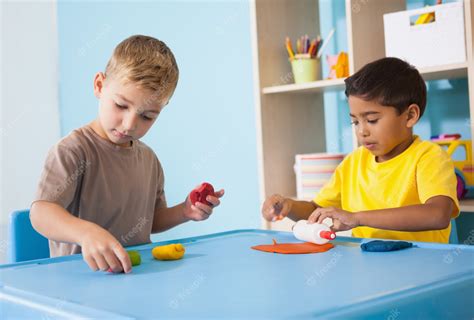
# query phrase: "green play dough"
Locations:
[[134, 257]]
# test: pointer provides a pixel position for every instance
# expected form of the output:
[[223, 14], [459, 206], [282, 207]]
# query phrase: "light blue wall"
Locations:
[[447, 109], [211, 41], [207, 132]]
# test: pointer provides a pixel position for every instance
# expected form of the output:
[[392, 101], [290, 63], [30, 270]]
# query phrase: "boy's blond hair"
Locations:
[[145, 61]]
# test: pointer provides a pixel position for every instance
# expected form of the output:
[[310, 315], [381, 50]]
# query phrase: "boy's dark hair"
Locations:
[[389, 82]]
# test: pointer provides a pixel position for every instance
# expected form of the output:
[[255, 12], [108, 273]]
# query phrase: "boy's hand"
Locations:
[[201, 211], [276, 207], [102, 251], [342, 220]]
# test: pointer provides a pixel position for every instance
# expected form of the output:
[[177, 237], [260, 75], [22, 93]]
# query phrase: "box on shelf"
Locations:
[[427, 37], [313, 171]]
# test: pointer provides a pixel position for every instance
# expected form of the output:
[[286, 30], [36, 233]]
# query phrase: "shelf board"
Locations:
[[449, 71], [467, 205], [308, 87]]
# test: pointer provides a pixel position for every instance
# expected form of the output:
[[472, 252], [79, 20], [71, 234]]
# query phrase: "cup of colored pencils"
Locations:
[[305, 62]]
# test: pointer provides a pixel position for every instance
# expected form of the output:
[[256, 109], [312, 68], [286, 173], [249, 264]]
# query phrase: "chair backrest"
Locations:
[[453, 237], [25, 242]]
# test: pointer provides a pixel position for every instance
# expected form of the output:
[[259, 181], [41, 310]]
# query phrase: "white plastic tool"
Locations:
[[315, 232]]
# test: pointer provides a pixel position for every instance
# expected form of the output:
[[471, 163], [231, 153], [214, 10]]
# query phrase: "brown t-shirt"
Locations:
[[116, 187]]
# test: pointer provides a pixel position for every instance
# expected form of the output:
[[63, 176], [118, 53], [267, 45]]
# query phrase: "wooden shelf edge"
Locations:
[[309, 87], [449, 71], [467, 205]]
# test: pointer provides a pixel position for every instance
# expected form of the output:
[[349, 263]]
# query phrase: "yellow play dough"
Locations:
[[172, 251]]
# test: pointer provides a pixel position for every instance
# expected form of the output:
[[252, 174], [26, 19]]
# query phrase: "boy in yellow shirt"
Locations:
[[102, 188], [394, 186]]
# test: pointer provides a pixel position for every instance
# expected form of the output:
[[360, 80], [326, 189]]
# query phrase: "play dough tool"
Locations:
[[200, 193], [172, 251], [318, 233]]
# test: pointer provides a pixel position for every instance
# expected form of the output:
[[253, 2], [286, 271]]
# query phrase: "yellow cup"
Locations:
[[305, 70]]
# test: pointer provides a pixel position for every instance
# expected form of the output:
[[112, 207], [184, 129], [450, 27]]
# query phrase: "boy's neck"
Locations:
[[95, 125], [400, 148]]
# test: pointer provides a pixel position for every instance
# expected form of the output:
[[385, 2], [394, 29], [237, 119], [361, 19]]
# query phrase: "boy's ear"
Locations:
[[99, 80], [413, 115]]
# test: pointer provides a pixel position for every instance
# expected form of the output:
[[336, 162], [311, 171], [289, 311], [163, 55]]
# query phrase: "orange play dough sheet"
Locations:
[[294, 248]]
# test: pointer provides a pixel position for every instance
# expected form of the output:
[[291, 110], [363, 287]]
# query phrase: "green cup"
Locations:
[[305, 70]]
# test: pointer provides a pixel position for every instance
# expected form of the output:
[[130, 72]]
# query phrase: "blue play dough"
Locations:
[[383, 246]]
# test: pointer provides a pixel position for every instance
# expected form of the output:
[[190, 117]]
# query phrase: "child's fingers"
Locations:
[[203, 207], [91, 262], [273, 201], [219, 193], [337, 226], [100, 261], [315, 215], [123, 258], [278, 218], [112, 261], [279, 210], [312, 218], [268, 212], [322, 216], [198, 213], [198, 216], [195, 214], [285, 209], [214, 200]]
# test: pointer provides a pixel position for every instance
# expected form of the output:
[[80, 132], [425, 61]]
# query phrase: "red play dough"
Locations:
[[200, 194], [294, 248]]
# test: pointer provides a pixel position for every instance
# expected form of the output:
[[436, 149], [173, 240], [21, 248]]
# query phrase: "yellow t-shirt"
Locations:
[[422, 171]]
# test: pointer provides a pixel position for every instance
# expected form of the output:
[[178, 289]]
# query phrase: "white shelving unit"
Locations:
[[290, 117]]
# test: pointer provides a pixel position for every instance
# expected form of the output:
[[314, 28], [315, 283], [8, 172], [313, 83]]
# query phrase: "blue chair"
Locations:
[[25, 242], [453, 236]]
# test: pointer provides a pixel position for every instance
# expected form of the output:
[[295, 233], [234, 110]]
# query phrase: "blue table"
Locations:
[[220, 276]]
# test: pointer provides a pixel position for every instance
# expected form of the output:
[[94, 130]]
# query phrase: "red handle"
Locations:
[[327, 235]]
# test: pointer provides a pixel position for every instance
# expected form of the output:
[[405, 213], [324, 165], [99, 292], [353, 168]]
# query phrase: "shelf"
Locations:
[[309, 87], [450, 71], [467, 205], [300, 107]]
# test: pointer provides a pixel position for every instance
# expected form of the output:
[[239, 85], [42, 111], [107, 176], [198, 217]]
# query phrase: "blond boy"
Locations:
[[102, 188]]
